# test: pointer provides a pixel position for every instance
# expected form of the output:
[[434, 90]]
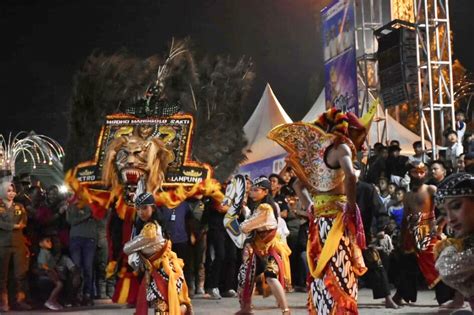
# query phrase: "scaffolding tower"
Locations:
[[434, 67], [368, 18]]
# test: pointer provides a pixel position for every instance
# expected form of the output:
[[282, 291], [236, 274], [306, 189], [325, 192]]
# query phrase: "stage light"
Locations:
[[63, 189]]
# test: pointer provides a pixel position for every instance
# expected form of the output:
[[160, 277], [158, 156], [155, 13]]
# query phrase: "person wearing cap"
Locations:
[[321, 154], [163, 285], [22, 184], [418, 236], [264, 252], [395, 164], [455, 256], [377, 163], [25, 181]]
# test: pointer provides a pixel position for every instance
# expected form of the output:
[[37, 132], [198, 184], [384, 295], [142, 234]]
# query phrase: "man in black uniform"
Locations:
[[12, 247], [370, 206]]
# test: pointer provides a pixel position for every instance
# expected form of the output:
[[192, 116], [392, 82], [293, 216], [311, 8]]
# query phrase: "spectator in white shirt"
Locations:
[[455, 149], [420, 155], [460, 124]]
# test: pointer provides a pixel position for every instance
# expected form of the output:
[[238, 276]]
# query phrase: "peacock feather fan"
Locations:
[[213, 90]]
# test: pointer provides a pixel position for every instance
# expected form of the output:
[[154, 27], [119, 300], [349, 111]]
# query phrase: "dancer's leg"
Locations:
[[278, 292]]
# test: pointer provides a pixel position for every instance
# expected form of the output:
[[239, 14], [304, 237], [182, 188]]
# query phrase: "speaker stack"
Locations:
[[396, 57]]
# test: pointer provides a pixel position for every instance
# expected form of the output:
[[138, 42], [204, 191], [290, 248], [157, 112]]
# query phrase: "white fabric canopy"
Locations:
[[396, 131], [268, 114], [317, 109]]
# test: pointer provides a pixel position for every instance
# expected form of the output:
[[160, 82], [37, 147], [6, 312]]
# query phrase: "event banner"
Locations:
[[173, 131], [340, 68]]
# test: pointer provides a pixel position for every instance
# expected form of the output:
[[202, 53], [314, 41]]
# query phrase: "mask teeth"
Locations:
[[124, 177], [132, 176]]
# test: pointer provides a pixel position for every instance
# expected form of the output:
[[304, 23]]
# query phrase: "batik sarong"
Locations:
[[334, 259], [266, 254]]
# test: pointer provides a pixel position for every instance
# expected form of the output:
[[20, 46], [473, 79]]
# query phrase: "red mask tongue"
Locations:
[[132, 178]]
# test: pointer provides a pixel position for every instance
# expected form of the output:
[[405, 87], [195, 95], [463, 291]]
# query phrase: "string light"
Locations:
[[32, 147]]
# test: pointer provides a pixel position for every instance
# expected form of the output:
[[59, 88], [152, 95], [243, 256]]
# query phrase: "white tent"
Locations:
[[396, 131], [268, 114], [317, 109]]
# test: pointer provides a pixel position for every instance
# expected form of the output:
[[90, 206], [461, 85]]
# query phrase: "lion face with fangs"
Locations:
[[136, 164]]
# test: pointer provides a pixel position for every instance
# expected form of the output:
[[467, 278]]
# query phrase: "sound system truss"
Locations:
[[435, 71]]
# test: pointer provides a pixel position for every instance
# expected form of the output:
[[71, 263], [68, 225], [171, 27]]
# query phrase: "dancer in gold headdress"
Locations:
[[321, 153]]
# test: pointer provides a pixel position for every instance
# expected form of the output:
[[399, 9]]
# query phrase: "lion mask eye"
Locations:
[[122, 155]]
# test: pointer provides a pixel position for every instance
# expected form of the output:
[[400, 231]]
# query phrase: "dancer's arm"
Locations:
[[302, 193], [344, 158]]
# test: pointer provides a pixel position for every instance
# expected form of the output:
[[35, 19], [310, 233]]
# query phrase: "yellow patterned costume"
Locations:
[[336, 232], [163, 285]]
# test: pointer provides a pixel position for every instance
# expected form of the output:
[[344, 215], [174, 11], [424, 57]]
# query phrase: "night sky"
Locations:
[[45, 41]]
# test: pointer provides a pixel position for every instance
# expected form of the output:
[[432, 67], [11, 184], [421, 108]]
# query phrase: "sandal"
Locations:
[[286, 311]]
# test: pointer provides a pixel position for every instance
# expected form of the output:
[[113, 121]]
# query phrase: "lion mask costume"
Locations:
[[135, 164]]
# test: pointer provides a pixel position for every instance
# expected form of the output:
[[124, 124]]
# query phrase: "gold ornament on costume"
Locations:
[[307, 143], [359, 127], [192, 173], [149, 230], [124, 131], [167, 134]]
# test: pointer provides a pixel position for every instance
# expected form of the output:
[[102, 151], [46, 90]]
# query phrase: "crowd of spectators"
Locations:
[[64, 248], [42, 231], [388, 172]]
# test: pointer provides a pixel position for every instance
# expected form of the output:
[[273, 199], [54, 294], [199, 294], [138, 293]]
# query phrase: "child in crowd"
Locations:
[[460, 124], [395, 211], [47, 267], [382, 184], [392, 187], [383, 243]]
